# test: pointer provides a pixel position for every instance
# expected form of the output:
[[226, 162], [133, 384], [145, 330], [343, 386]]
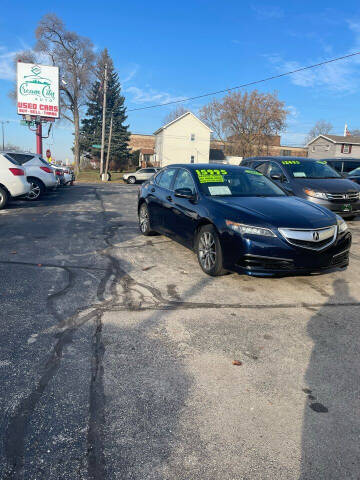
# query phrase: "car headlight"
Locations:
[[342, 225], [249, 229], [313, 193]]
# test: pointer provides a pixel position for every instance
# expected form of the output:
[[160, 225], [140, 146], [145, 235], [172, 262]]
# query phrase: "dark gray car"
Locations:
[[311, 179]]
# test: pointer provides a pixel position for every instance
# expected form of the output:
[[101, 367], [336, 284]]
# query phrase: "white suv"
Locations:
[[39, 173], [140, 175], [13, 182]]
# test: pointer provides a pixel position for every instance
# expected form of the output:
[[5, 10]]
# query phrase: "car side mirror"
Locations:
[[277, 176], [184, 193]]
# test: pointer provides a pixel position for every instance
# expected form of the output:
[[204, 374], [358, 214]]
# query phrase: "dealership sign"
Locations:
[[37, 90]]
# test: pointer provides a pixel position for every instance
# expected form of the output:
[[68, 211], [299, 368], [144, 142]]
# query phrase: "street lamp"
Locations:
[[3, 135]]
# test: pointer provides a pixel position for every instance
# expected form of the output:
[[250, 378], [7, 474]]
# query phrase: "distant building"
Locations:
[[145, 145], [184, 140], [329, 146]]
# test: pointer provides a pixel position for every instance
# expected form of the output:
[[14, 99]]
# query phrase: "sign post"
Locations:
[[37, 96]]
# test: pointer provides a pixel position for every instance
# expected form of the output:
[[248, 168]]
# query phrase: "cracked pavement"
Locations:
[[116, 355]]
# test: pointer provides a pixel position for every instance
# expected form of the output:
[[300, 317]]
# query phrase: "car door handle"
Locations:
[[153, 189], [169, 197]]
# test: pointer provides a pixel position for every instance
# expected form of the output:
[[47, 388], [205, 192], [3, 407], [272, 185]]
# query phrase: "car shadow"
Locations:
[[331, 425]]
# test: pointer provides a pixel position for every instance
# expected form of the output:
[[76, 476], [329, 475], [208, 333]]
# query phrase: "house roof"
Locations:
[[349, 139], [147, 151], [179, 118]]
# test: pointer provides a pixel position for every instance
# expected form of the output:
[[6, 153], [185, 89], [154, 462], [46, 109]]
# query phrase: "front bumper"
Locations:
[[274, 256], [345, 208]]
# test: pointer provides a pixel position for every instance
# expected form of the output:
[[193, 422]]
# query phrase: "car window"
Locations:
[[274, 169], [167, 178], [355, 172], [337, 165], [184, 180], [239, 182], [12, 160], [349, 166], [309, 169], [21, 158], [148, 170], [263, 167]]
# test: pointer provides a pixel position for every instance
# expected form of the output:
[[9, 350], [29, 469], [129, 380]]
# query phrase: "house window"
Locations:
[[192, 137], [192, 159], [346, 148], [313, 148], [286, 153]]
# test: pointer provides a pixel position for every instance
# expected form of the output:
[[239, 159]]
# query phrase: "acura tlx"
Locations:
[[237, 219]]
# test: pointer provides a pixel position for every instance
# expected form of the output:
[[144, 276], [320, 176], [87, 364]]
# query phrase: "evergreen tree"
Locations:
[[91, 125]]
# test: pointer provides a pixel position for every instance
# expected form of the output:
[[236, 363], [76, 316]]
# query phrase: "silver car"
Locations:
[[141, 175]]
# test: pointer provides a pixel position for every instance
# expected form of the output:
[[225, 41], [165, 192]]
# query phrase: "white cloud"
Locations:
[[268, 11], [129, 75], [140, 95], [7, 69]]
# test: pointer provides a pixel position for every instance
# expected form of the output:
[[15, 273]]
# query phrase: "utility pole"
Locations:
[[39, 138], [103, 124], [3, 134], [108, 151]]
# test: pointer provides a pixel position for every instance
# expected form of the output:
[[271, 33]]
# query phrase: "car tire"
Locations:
[[209, 251], [144, 220], [36, 189], [3, 198], [131, 180]]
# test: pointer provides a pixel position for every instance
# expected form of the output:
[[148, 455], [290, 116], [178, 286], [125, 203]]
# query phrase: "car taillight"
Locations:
[[66, 171], [46, 169], [58, 172], [17, 171]]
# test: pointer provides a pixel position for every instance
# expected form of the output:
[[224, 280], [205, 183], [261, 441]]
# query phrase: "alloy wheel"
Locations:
[[132, 180], [144, 219], [207, 250], [34, 192]]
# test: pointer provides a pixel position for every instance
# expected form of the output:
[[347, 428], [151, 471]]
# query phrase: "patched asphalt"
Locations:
[[117, 354]]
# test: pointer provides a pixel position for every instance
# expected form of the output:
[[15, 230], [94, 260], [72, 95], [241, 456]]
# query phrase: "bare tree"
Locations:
[[321, 127], [355, 132], [174, 114], [245, 122]]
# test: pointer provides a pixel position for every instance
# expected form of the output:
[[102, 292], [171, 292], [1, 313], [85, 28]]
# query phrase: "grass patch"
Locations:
[[93, 176]]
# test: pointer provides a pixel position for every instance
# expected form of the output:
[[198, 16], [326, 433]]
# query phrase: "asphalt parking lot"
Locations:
[[117, 355]]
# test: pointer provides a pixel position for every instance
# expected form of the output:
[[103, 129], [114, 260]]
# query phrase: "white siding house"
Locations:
[[184, 140]]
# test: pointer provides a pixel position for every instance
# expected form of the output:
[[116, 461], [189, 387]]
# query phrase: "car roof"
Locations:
[[281, 158], [21, 153], [197, 166]]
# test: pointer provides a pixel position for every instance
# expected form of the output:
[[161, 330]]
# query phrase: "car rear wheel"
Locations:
[[144, 220], [209, 252], [36, 189], [131, 180], [3, 198]]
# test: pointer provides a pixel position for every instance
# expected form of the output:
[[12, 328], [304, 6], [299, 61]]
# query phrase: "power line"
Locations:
[[247, 84]]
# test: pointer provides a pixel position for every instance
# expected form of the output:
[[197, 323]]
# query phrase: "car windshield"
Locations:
[[309, 169], [356, 171], [239, 182]]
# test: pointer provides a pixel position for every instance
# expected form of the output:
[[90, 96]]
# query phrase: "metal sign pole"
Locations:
[[39, 138]]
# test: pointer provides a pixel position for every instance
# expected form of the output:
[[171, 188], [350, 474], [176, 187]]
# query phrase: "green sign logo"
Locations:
[[35, 84]]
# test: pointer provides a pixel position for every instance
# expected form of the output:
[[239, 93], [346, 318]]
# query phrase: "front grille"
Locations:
[[349, 196], [307, 244], [316, 239]]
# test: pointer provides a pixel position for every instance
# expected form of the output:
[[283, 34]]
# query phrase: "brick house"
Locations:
[[329, 146]]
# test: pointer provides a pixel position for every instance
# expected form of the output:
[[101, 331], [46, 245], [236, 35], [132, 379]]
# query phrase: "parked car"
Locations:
[[343, 165], [13, 182], [67, 175], [237, 219], [38, 172], [311, 179], [141, 175], [354, 175]]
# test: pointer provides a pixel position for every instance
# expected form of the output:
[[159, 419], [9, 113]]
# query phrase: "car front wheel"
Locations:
[[131, 180], [144, 220], [209, 252], [36, 189], [3, 198]]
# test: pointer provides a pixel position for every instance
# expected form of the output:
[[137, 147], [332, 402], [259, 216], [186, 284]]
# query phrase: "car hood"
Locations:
[[288, 212], [331, 185]]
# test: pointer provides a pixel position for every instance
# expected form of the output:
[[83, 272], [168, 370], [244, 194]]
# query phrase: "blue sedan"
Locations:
[[237, 219]]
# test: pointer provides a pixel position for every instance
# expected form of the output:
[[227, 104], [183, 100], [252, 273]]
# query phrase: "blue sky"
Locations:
[[171, 50]]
